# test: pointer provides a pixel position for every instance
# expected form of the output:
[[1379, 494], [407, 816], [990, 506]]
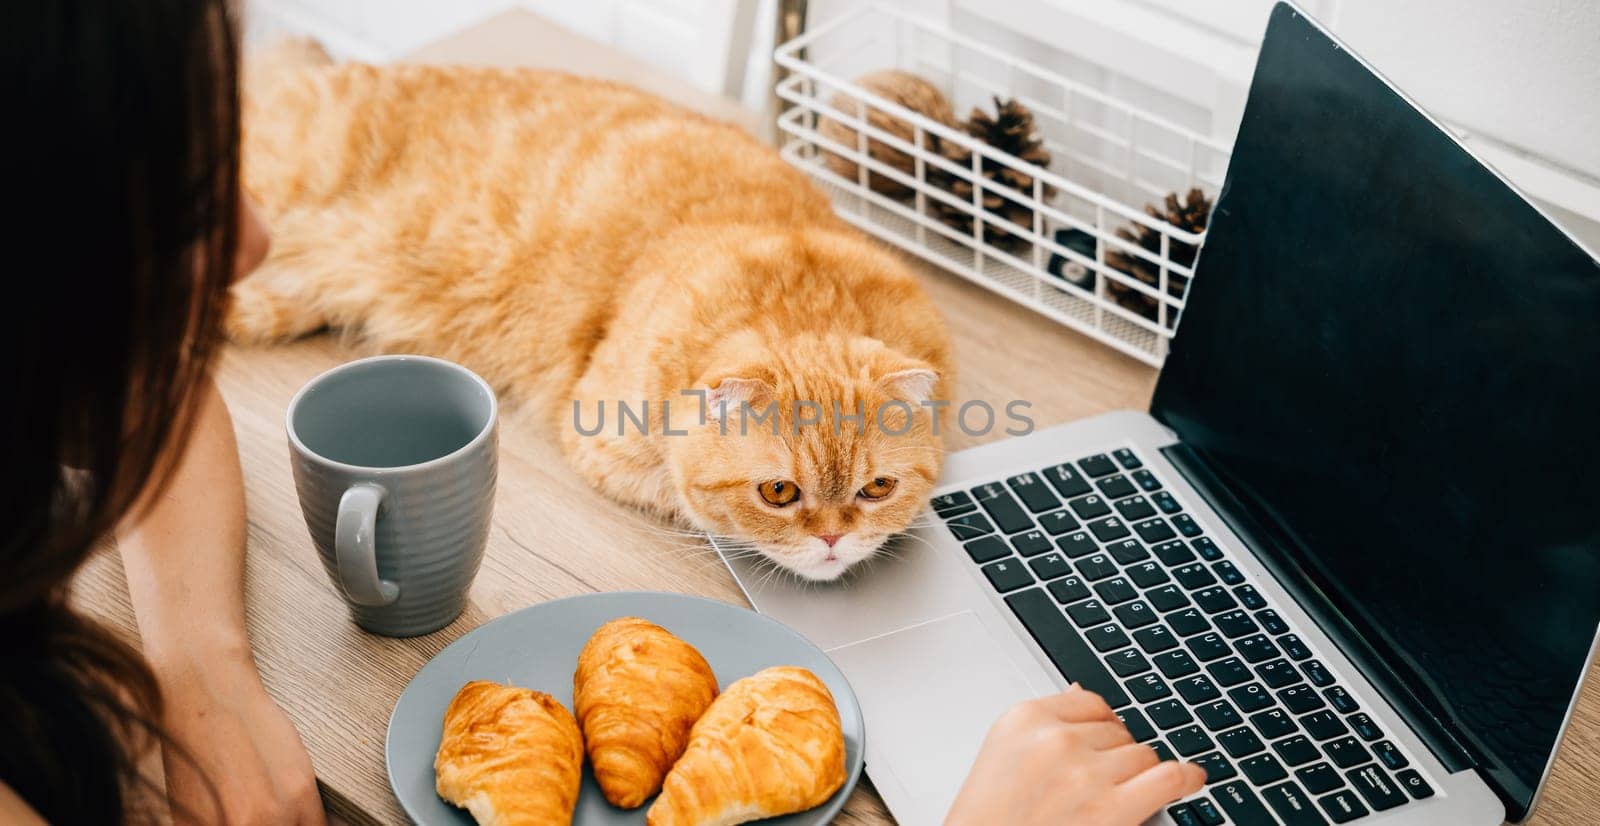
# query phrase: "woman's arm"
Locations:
[[184, 557]]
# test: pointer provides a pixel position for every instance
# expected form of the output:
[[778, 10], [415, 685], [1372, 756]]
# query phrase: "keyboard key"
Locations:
[[1226, 572], [1206, 548], [1341, 700], [1077, 544], [1208, 647], [1116, 487], [1292, 646], [1217, 767], [1146, 481], [1007, 575], [1002, 507], [1278, 673], [1241, 805], [1070, 589], [1127, 551], [1097, 567], [1089, 507], [1062, 644], [1127, 458], [1376, 786], [1240, 742], [1300, 699], [1252, 697], [1346, 752], [1184, 815], [1155, 639], [1169, 714], [987, 549], [1213, 600], [1249, 597], [1031, 543], [1273, 723], [1317, 673], [1168, 598], [1107, 637], [1164, 501], [1113, 591], [952, 504], [1197, 689], [1163, 752], [1207, 811], [1323, 725], [1050, 566], [1319, 778], [1173, 553], [969, 526], [1389, 754], [1270, 620], [1229, 672], [1188, 741], [1067, 481], [1176, 664], [1087, 613], [1412, 782], [1148, 688], [1193, 576], [1188, 621], [1033, 492], [1128, 663], [1234, 624], [1136, 614], [1137, 726], [1262, 769], [1296, 750], [1148, 575], [1343, 807], [1294, 807], [1364, 727], [1097, 465], [1058, 522], [1186, 525], [1108, 529], [1155, 529], [1218, 715]]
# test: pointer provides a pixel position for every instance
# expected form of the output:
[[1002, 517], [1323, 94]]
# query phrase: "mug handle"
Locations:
[[356, 548]]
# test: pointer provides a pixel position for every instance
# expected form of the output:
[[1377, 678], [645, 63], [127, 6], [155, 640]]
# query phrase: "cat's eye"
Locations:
[[778, 493], [876, 489]]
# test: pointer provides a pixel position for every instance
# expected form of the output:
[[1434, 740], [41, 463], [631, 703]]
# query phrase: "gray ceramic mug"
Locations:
[[394, 459]]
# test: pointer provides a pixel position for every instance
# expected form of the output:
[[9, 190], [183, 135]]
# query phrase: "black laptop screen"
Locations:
[[1395, 361]]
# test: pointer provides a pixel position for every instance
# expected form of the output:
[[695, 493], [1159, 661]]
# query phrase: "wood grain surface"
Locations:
[[554, 537]]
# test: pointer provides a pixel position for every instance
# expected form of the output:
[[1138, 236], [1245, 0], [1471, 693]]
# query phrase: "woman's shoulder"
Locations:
[[15, 810]]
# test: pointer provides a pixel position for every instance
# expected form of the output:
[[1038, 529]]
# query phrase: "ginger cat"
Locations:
[[578, 242]]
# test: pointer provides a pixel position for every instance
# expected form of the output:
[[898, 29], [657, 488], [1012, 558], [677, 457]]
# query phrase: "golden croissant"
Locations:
[[638, 691], [509, 756], [769, 746]]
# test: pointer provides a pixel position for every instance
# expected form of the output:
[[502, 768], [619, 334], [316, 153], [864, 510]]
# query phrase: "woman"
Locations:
[[122, 167]]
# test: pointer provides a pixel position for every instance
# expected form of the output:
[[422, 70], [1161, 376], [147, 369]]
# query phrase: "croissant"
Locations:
[[638, 691], [509, 756], [769, 746]]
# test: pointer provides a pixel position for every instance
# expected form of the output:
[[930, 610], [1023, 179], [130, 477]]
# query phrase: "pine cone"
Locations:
[[1009, 130], [1191, 214], [906, 89]]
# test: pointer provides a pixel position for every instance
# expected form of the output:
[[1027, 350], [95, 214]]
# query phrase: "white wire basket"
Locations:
[[1108, 159]]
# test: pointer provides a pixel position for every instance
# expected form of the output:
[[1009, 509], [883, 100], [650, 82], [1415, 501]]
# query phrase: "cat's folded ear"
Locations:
[[725, 393], [910, 384]]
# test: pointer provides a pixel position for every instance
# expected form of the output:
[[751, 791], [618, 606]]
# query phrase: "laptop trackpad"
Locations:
[[929, 694]]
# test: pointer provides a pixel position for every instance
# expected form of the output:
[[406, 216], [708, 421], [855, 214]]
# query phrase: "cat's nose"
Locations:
[[830, 538]]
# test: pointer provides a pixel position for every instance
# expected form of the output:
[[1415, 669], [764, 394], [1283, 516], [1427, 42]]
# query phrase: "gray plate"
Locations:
[[538, 647]]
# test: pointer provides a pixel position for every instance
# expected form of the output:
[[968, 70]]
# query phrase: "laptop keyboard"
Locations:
[[1129, 598]]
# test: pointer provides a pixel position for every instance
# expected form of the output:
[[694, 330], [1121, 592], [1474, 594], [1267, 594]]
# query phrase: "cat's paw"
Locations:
[[256, 316]]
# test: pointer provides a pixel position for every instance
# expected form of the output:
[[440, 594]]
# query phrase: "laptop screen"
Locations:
[[1393, 360]]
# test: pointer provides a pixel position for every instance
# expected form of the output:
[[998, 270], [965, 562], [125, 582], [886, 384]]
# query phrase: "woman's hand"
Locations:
[[1067, 759], [225, 725], [184, 557]]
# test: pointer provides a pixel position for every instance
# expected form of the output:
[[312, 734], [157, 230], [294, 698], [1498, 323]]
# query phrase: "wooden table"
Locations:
[[554, 537]]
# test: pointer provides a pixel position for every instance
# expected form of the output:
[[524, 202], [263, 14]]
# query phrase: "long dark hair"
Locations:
[[120, 163]]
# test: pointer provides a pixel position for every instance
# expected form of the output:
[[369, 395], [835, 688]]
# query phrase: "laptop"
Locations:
[[1349, 560]]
